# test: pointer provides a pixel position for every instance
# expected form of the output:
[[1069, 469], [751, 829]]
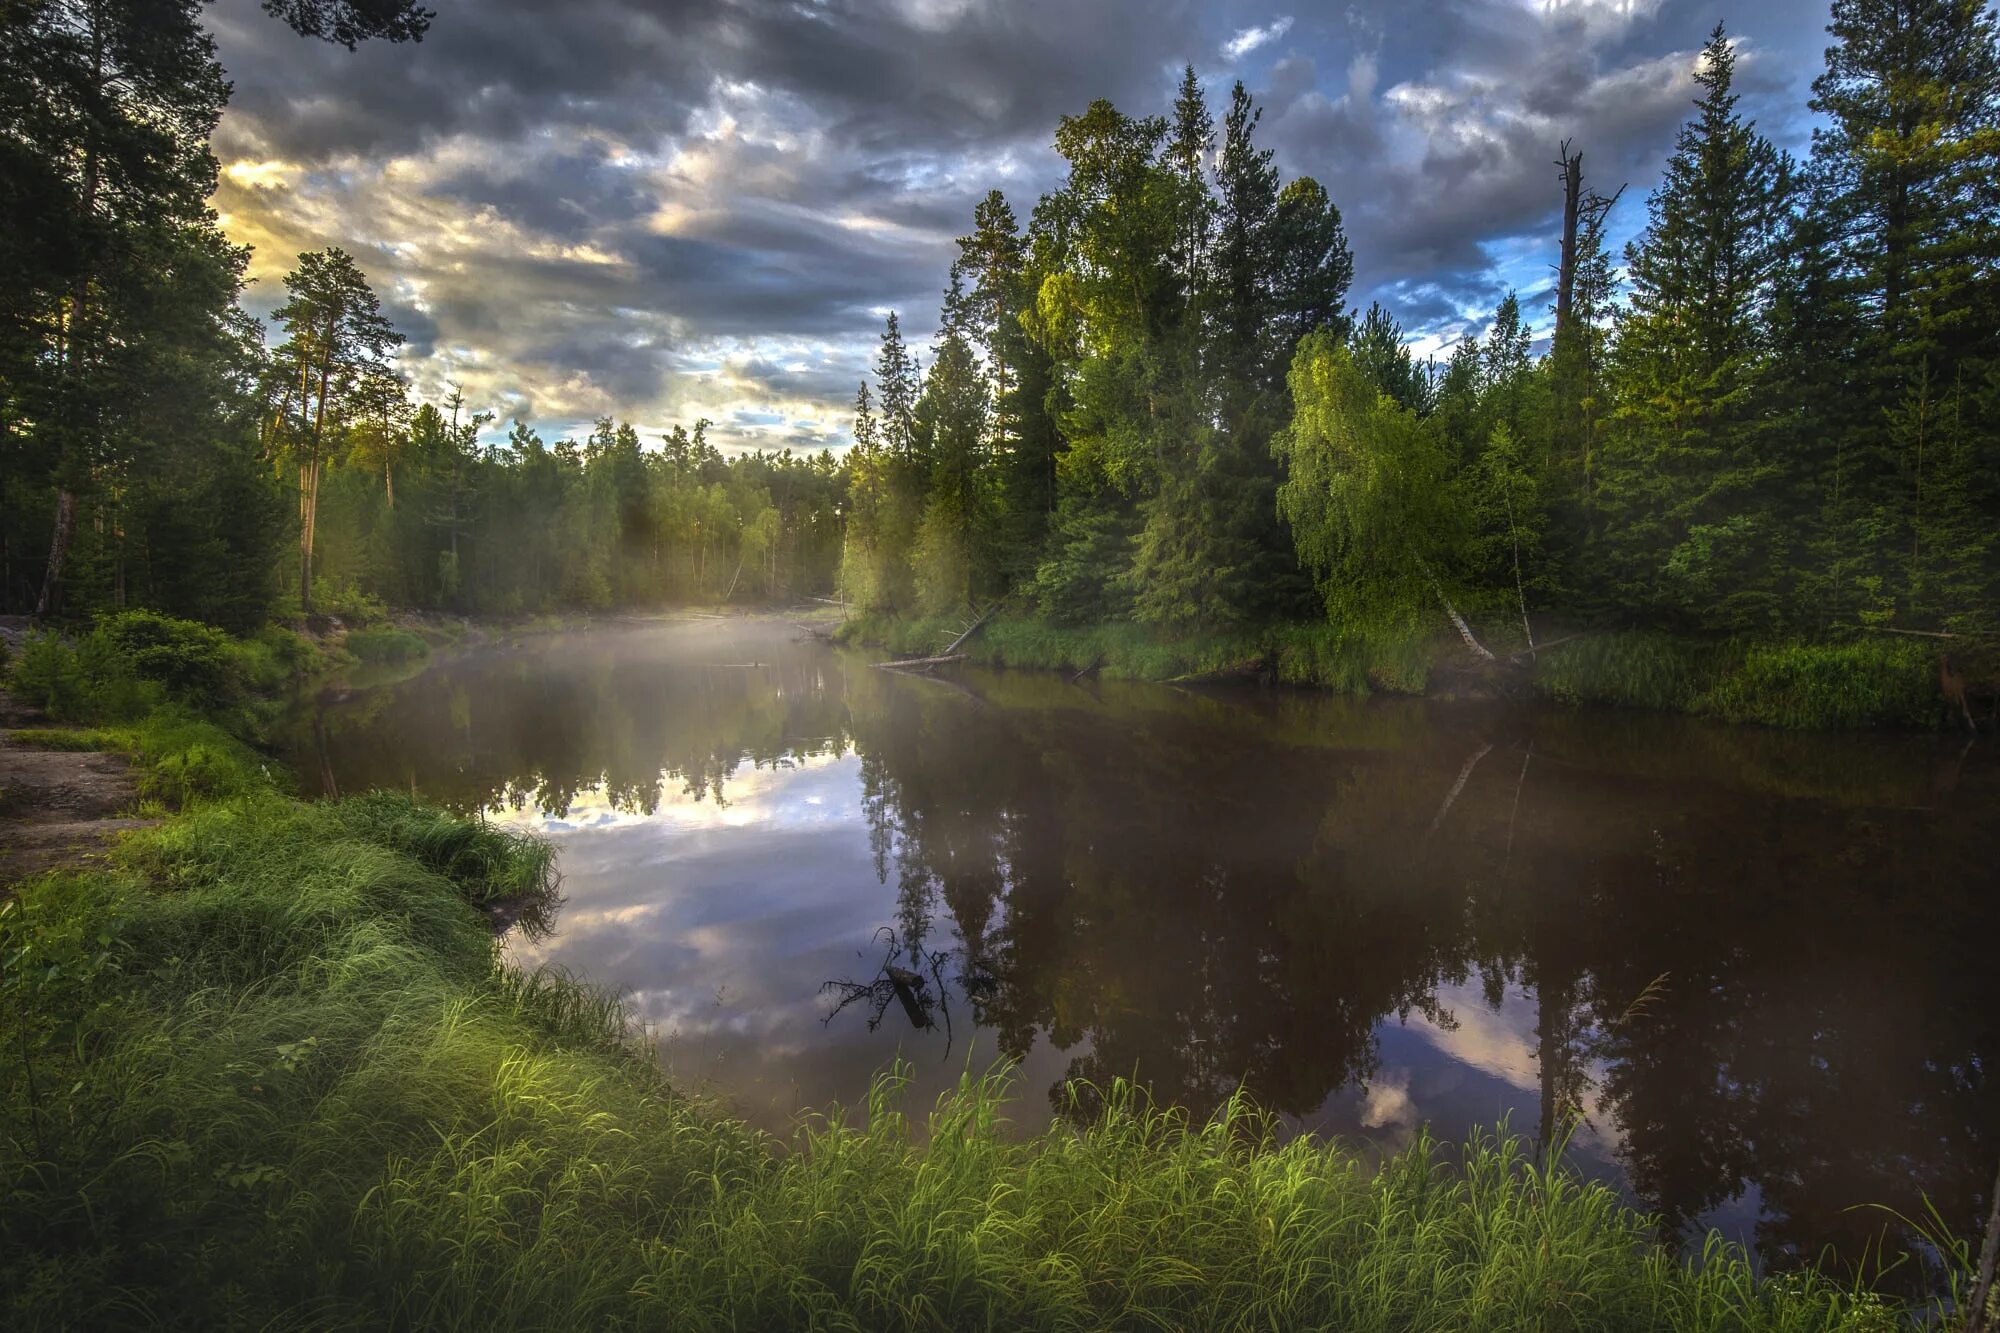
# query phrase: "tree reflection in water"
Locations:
[[1754, 960]]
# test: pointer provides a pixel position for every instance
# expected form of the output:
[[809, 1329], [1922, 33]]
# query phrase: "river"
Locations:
[[1751, 978]]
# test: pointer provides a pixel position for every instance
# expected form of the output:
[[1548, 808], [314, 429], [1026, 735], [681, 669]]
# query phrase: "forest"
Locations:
[[270, 1059], [1772, 416]]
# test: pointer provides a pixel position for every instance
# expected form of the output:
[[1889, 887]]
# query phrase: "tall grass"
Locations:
[[1824, 686], [386, 644], [268, 1071], [1634, 668], [1797, 685], [1348, 659]]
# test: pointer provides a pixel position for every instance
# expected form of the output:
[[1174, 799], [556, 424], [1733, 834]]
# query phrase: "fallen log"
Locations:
[[970, 630], [922, 663]]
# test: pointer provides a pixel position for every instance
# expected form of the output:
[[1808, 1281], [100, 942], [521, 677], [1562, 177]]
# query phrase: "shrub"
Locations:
[[195, 664], [86, 681]]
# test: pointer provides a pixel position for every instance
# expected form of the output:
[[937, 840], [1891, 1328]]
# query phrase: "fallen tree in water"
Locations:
[[922, 663]]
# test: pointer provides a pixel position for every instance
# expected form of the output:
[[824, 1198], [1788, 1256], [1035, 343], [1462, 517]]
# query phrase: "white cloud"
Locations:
[[1249, 39]]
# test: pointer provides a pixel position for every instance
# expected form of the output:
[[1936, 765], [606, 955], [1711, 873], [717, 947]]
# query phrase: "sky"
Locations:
[[661, 210]]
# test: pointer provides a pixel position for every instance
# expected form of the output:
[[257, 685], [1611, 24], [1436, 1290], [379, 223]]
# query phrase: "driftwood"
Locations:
[[1095, 663], [922, 663], [814, 630]]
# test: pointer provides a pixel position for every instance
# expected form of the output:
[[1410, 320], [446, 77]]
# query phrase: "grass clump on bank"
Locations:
[[1796, 685], [1318, 655], [270, 1071], [386, 645]]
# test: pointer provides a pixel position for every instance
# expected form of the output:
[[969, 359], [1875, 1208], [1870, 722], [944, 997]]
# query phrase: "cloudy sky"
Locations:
[[666, 209]]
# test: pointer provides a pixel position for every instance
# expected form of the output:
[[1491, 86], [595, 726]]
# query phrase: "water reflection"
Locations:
[[1743, 971]]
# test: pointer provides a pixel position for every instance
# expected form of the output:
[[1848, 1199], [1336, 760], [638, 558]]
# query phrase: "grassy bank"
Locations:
[[270, 1071], [1853, 683]]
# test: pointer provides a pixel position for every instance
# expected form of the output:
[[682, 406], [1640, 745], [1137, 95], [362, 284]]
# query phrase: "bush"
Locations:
[[386, 644], [197, 665], [86, 681]]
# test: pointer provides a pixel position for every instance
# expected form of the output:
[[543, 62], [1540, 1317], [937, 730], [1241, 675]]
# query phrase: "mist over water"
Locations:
[[1750, 970]]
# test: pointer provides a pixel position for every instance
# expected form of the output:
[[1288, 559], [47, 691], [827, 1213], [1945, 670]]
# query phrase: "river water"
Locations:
[[1751, 978]]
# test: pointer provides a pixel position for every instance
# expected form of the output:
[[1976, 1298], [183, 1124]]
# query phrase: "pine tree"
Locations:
[[1024, 437], [1379, 351], [897, 386], [337, 343]]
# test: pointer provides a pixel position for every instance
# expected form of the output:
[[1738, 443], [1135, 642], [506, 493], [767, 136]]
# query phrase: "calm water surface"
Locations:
[[1754, 970]]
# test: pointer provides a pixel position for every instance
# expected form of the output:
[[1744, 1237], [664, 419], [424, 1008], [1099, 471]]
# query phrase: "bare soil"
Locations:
[[58, 807]]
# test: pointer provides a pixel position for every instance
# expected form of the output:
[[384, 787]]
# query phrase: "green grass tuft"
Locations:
[[1824, 686], [387, 644], [1633, 668], [72, 739]]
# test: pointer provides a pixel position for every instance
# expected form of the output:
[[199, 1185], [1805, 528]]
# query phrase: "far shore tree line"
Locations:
[[1778, 413]]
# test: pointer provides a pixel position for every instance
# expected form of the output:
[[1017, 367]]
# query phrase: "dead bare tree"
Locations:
[[1572, 179]]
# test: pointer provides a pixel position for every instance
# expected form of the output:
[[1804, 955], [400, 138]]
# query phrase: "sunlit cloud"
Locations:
[[1247, 40]]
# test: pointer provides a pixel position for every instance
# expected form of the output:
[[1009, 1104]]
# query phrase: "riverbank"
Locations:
[[1868, 681], [271, 1071]]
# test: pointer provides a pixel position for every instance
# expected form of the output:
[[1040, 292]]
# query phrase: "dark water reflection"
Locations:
[[1757, 965]]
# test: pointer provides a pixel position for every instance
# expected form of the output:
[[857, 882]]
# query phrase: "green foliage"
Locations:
[[1369, 492], [135, 661], [193, 664], [386, 643], [87, 681]]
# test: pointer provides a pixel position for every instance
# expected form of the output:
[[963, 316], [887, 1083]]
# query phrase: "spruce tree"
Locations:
[[1900, 293], [1693, 491]]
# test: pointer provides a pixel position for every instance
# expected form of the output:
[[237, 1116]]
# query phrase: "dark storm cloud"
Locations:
[[664, 210]]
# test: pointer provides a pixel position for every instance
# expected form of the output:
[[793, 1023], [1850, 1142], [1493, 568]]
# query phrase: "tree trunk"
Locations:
[[1457, 620], [308, 523], [1572, 179], [59, 541], [1981, 1302], [69, 349]]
